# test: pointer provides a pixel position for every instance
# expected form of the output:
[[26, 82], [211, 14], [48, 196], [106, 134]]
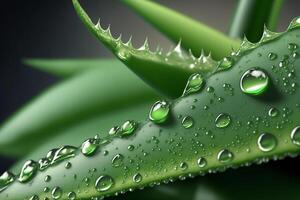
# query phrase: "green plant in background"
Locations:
[[238, 105]]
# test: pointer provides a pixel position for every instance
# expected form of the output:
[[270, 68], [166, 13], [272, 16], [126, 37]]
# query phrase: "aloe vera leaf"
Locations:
[[251, 16], [165, 72], [251, 132], [194, 35], [70, 67], [93, 93]]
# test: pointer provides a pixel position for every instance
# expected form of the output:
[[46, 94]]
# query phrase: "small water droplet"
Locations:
[[295, 135], [56, 193], [222, 120], [64, 153], [89, 147], [292, 46], [201, 162], [117, 160], [104, 183], [210, 89], [187, 122], [225, 156], [295, 23], [272, 56], [47, 178], [72, 196], [194, 84], [44, 163], [183, 166], [5, 179], [273, 112], [114, 130], [68, 165], [137, 178], [225, 63], [29, 169], [266, 142], [130, 147], [159, 112], [34, 197], [128, 127], [254, 81]]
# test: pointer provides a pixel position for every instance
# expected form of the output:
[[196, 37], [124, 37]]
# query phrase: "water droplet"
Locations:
[[222, 120], [225, 156], [183, 166], [28, 171], [63, 153], [114, 130], [128, 127], [201, 162], [210, 89], [295, 135], [5, 179], [295, 23], [56, 193], [273, 112], [266, 142], [68, 165], [47, 178], [254, 81], [89, 147], [44, 163], [104, 183], [226, 63], [72, 196], [130, 147], [272, 56], [292, 46], [159, 112], [34, 197], [194, 84], [137, 178], [117, 160], [187, 122], [123, 54]]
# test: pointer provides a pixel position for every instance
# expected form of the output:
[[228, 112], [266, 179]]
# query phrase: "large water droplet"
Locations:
[[225, 156], [63, 153], [222, 120], [201, 162], [128, 127], [117, 160], [187, 122], [89, 147], [5, 179], [56, 193], [159, 112], [266, 142], [104, 183], [137, 178], [114, 130], [295, 135], [194, 84], [29, 169], [254, 81]]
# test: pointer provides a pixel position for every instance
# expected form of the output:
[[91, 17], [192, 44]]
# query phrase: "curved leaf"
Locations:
[[93, 93], [70, 67], [165, 72], [266, 128]]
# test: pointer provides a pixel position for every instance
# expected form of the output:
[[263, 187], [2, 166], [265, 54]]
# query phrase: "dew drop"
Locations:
[[68, 165], [159, 112], [72, 196], [89, 147], [273, 112], [226, 63], [137, 178], [104, 183], [194, 84], [5, 179], [272, 56], [114, 130], [56, 193], [128, 128], [183, 166], [295, 135], [222, 120], [29, 169], [64, 153], [292, 46], [295, 23], [187, 122], [44, 163], [117, 160], [266, 142], [254, 81], [201, 162], [47, 178], [225, 156], [34, 197]]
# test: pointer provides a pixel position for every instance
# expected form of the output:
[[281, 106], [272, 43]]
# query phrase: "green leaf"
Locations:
[[194, 35], [252, 15], [70, 67], [93, 93], [246, 113], [165, 72]]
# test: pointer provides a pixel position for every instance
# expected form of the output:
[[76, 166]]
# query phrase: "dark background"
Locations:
[[51, 29]]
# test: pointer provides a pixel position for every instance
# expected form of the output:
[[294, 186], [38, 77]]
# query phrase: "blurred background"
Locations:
[[51, 29]]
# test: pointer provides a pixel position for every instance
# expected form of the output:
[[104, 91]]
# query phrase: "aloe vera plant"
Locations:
[[236, 111]]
